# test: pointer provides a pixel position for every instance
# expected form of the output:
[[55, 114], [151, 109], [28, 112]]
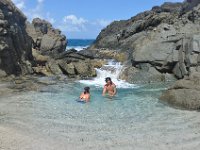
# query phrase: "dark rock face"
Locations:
[[38, 48], [163, 41], [15, 45], [50, 55], [46, 39], [71, 63], [184, 93], [52, 59], [120, 34]]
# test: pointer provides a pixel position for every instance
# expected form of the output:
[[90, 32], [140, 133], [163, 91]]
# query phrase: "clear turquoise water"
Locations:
[[134, 119]]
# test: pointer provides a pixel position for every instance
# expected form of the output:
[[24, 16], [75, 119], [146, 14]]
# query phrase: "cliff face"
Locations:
[[37, 48], [15, 44], [160, 43], [121, 34]]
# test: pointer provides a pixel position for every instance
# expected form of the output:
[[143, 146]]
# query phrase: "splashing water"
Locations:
[[112, 70]]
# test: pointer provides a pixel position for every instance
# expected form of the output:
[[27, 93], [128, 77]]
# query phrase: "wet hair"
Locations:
[[108, 79], [86, 90]]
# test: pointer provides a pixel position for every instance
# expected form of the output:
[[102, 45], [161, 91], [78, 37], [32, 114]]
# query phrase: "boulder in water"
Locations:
[[184, 93]]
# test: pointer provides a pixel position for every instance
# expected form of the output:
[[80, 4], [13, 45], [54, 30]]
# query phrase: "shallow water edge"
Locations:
[[50, 118]]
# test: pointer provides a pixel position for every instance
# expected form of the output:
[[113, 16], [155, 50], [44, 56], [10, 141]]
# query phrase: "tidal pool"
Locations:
[[134, 119]]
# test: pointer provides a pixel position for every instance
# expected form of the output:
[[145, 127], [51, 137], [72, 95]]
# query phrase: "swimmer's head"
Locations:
[[108, 80], [86, 90]]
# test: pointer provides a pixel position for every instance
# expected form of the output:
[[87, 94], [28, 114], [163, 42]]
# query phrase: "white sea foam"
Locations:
[[112, 70], [78, 48]]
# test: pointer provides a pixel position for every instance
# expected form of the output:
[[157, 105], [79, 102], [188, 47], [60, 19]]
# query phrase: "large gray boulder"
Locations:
[[15, 44], [147, 74], [184, 93], [47, 39]]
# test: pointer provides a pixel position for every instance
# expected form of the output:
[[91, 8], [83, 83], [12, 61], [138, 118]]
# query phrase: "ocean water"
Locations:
[[134, 119], [79, 44]]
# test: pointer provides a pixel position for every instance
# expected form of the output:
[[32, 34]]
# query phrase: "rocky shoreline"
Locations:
[[159, 45], [49, 53], [32, 55], [14, 85], [184, 93], [162, 44], [38, 48]]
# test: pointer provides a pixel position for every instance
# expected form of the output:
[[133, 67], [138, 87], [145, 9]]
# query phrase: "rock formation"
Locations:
[[184, 93], [160, 44], [71, 63], [46, 38], [49, 47], [15, 44], [37, 48]]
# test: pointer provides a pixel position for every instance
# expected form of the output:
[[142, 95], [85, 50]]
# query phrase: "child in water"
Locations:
[[85, 96]]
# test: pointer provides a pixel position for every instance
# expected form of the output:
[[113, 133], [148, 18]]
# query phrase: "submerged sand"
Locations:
[[47, 120]]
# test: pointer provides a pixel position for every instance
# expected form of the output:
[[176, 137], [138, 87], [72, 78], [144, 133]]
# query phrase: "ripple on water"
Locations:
[[133, 119]]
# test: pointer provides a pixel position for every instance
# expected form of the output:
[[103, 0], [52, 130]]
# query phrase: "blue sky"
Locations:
[[84, 18]]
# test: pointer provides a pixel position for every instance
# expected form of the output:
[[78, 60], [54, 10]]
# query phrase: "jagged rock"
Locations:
[[46, 39], [74, 55], [53, 67], [84, 69], [193, 59], [147, 75], [71, 63], [42, 71], [154, 52], [15, 44], [184, 93], [166, 38], [68, 69], [117, 34], [40, 59], [97, 63], [180, 70], [2, 73], [196, 43], [109, 54]]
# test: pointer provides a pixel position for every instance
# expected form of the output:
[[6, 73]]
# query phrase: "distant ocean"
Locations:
[[79, 44]]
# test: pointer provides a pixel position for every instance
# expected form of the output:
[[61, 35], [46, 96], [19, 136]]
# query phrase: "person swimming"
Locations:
[[109, 87], [85, 96]]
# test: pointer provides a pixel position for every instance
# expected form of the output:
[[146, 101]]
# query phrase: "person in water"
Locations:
[[85, 96], [109, 87]]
